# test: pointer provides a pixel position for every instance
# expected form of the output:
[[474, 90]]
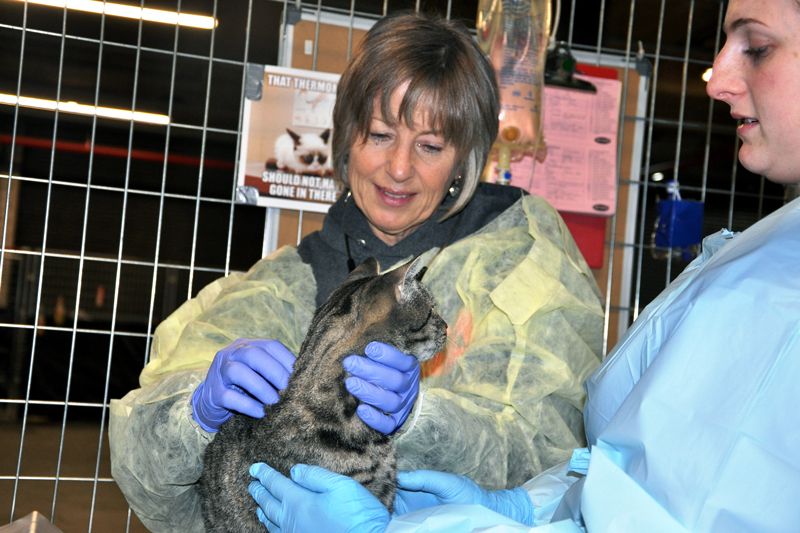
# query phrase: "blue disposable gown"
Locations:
[[691, 418]]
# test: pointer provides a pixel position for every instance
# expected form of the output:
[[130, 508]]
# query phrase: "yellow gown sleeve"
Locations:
[[156, 446]]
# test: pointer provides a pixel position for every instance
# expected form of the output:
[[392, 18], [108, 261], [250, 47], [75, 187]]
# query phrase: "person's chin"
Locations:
[[752, 158], [392, 228], [777, 170], [390, 236]]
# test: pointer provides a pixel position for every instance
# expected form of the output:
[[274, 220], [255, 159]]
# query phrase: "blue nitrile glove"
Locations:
[[419, 489], [244, 377], [315, 499], [387, 384]]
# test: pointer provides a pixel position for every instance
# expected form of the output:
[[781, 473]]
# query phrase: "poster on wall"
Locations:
[[579, 174], [285, 158]]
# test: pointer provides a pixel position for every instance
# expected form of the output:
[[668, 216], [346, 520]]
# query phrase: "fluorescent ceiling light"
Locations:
[[706, 74], [132, 12], [84, 109]]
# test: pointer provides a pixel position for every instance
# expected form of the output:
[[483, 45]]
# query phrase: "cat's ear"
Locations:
[[412, 273], [295, 137], [366, 269], [325, 135]]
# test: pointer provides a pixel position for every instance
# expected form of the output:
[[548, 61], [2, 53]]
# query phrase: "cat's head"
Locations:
[[393, 307], [311, 149]]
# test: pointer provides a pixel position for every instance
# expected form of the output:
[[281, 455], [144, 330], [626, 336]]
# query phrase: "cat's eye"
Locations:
[[309, 158], [424, 318]]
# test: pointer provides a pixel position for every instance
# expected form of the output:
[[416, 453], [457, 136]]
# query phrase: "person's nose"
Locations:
[[401, 161], [726, 82]]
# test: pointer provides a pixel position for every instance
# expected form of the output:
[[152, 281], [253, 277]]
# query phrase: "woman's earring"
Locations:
[[455, 187]]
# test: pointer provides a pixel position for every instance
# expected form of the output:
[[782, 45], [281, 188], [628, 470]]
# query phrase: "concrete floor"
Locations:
[[74, 511]]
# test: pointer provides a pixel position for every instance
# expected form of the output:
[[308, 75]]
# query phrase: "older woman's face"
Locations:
[[757, 73], [400, 172]]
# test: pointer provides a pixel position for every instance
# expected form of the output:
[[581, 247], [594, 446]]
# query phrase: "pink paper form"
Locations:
[[579, 174]]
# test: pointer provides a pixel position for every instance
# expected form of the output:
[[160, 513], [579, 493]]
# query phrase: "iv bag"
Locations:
[[514, 34]]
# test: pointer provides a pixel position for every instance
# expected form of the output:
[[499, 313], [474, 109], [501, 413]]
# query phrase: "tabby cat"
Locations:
[[315, 420]]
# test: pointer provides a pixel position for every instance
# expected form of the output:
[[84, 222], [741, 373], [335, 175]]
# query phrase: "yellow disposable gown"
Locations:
[[502, 403]]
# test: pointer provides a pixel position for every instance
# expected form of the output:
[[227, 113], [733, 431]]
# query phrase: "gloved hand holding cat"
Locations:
[[243, 377], [314, 496], [420, 489], [249, 373], [386, 382], [317, 496]]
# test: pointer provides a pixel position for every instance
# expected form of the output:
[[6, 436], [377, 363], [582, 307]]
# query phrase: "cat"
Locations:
[[315, 420], [304, 153]]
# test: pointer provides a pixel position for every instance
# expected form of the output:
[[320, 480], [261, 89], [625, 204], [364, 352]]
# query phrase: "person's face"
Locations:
[[757, 73], [399, 173]]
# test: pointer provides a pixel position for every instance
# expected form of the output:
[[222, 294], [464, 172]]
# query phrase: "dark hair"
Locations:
[[447, 73]]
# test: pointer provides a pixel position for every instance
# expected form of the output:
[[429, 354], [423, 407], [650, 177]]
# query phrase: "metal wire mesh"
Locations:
[[108, 225]]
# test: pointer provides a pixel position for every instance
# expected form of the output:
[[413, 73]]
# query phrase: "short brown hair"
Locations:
[[445, 69]]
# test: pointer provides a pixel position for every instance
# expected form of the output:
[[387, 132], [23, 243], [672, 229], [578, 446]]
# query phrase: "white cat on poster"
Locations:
[[303, 153]]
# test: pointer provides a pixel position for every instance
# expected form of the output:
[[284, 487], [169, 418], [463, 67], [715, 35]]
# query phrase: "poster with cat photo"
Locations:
[[285, 158]]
